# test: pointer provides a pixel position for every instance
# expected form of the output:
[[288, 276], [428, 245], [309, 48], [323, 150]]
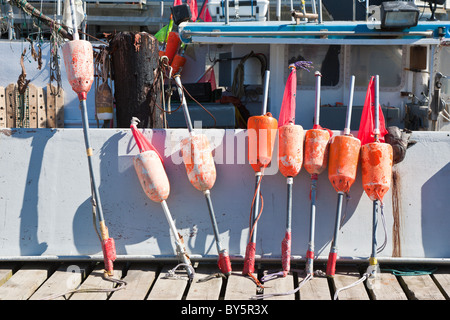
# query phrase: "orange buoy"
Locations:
[[316, 150], [79, 63], [262, 131], [343, 162], [199, 162], [376, 169], [177, 63], [290, 149], [152, 175], [173, 42]]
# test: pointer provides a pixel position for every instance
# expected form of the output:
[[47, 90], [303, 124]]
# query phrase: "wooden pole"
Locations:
[[135, 62]]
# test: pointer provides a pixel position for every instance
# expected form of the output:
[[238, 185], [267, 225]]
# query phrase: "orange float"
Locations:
[[343, 162], [79, 63], [198, 161], [172, 45], [178, 63], [152, 176], [376, 169], [262, 132], [316, 151], [290, 149]]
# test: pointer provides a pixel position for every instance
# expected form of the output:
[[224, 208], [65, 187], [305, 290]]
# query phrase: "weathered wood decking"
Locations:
[[146, 281]]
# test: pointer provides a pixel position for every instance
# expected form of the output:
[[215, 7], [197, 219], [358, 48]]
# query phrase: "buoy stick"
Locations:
[[266, 91], [348, 118], [187, 117], [182, 253], [332, 257], [318, 76], [309, 268], [377, 108], [224, 260], [249, 260], [286, 243]]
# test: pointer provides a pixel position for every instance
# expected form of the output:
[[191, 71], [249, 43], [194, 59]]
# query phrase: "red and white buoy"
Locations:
[[201, 172], [78, 60], [155, 183]]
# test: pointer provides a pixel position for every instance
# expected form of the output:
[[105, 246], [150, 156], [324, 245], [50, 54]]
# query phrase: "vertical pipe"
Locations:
[[292, 9], [279, 10], [227, 12], [10, 22], [58, 11], [348, 118], [85, 21], [377, 108], [320, 11], [266, 91]]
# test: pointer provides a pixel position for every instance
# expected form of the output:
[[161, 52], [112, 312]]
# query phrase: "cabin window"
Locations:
[[385, 61], [326, 59]]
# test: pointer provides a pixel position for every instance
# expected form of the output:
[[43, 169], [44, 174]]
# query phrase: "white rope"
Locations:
[[269, 295], [171, 273], [364, 277]]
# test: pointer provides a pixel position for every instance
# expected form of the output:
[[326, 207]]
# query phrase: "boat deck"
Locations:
[[148, 281]]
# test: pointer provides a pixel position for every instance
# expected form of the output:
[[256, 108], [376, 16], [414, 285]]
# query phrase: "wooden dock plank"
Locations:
[[66, 278], [239, 287], [386, 287], [205, 290], [25, 281], [7, 269], [421, 287], [95, 281], [442, 279], [346, 276], [169, 288], [280, 285], [316, 288], [139, 279]]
